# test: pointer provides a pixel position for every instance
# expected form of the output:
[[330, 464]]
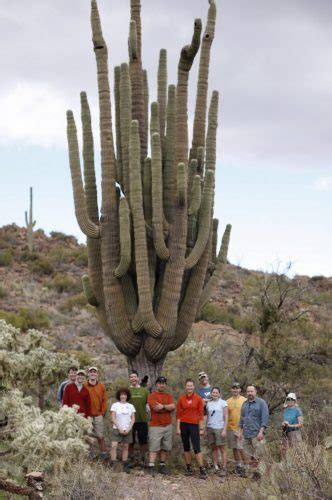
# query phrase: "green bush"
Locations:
[[6, 258], [63, 283], [26, 319], [2, 293], [59, 236], [41, 266], [75, 302], [79, 256]]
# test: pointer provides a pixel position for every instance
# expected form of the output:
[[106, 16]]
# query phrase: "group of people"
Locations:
[[143, 416]]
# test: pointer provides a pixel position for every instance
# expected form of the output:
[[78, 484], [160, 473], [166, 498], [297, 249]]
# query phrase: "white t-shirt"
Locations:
[[215, 413], [123, 413]]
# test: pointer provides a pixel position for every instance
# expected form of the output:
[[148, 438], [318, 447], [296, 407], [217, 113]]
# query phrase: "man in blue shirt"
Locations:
[[253, 422]]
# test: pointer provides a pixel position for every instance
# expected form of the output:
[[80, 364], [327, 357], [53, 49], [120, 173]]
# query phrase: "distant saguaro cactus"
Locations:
[[152, 252], [30, 223]]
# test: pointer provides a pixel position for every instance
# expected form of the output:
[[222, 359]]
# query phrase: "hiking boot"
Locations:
[[103, 456], [151, 470], [202, 473], [126, 467], [189, 471], [163, 470], [240, 471]]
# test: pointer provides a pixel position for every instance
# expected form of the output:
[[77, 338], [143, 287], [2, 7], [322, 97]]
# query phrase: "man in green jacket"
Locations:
[[139, 398]]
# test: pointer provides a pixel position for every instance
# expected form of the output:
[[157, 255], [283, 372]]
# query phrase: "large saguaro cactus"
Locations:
[[30, 223], [152, 252]]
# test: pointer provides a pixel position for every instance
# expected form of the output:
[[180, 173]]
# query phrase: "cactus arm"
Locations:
[[129, 295], [211, 136], [162, 96], [202, 82], [26, 219], [192, 171], [137, 80], [88, 227], [154, 121], [125, 121], [90, 296], [146, 108], [157, 198], [195, 199], [204, 221], [108, 173], [190, 302], [169, 172], [200, 161], [181, 183], [214, 240], [132, 41], [141, 254], [90, 189], [167, 310], [147, 191], [214, 281], [117, 124], [125, 239]]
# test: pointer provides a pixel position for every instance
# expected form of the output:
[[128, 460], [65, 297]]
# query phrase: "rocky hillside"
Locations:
[[43, 290]]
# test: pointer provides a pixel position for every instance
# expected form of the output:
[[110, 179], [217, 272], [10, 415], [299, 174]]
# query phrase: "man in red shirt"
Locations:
[[160, 436], [190, 426], [76, 394]]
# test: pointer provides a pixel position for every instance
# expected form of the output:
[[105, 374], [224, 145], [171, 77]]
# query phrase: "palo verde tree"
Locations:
[[152, 253]]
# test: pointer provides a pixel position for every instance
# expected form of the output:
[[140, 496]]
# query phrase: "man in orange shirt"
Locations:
[[160, 436], [190, 426], [98, 398]]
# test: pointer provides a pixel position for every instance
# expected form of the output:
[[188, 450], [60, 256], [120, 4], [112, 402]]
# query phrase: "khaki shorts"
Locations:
[[160, 438], [98, 426], [254, 448], [121, 438], [234, 442], [214, 437]]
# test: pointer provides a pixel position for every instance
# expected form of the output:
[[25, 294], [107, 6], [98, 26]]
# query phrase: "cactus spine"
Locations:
[[152, 252], [30, 223]]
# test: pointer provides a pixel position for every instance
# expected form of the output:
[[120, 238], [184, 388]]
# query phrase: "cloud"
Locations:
[[323, 183]]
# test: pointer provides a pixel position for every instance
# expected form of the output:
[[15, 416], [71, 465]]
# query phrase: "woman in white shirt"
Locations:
[[123, 419], [216, 425]]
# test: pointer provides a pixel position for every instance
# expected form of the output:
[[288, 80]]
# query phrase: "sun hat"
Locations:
[[236, 384], [80, 372], [201, 375], [92, 368]]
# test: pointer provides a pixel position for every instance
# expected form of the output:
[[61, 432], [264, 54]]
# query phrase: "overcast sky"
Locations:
[[271, 62]]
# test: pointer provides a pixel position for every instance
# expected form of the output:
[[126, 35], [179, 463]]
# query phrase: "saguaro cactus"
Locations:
[[30, 223], [152, 252]]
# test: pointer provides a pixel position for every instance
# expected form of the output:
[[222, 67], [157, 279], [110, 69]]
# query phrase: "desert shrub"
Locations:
[[58, 255], [75, 302], [25, 319], [6, 258], [41, 266], [83, 358], [80, 256], [59, 236], [2, 292], [227, 316], [63, 283]]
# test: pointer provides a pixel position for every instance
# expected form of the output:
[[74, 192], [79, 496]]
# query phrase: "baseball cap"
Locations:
[[291, 395], [236, 384], [161, 379], [80, 372], [201, 375], [92, 368]]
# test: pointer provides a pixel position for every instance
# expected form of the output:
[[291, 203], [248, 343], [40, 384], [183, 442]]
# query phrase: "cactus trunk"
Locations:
[[152, 251]]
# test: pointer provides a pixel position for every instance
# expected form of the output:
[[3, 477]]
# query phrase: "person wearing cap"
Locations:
[[76, 394], [253, 422], [98, 398], [234, 441], [204, 389], [292, 423], [72, 372], [139, 398], [161, 406], [190, 426]]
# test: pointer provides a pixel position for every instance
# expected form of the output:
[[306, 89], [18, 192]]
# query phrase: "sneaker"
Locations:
[[202, 474], [240, 471], [126, 467], [151, 470], [189, 471], [103, 456], [163, 470]]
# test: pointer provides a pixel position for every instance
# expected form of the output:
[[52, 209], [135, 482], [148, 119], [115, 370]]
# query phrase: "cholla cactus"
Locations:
[[38, 440], [30, 223], [152, 253], [26, 359]]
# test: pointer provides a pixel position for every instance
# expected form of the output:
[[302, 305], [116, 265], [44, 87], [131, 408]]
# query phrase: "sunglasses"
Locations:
[[290, 399]]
